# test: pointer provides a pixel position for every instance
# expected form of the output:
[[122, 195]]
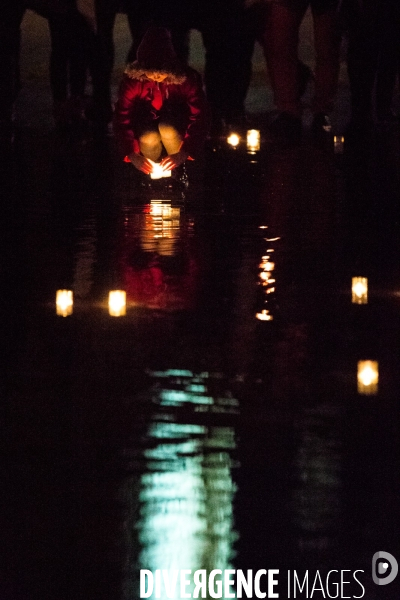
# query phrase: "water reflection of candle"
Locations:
[[233, 139], [338, 144], [162, 223], [253, 140], [359, 290], [267, 265], [64, 303], [367, 377], [266, 281], [117, 303], [264, 315]]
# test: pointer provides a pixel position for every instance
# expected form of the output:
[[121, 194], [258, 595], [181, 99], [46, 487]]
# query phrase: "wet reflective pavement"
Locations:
[[218, 424], [221, 422]]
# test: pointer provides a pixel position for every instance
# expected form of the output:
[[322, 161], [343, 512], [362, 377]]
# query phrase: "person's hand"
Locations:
[[173, 160], [141, 163]]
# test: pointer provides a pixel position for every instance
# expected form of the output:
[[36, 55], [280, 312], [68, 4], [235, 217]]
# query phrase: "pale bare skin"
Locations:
[[174, 160], [141, 163], [171, 141], [156, 76]]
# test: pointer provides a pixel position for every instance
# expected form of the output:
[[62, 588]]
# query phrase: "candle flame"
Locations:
[[233, 139], [64, 303], [367, 377], [359, 290], [253, 140], [158, 171], [117, 303]]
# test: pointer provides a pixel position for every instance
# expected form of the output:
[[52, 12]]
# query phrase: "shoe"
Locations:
[[286, 127], [321, 124]]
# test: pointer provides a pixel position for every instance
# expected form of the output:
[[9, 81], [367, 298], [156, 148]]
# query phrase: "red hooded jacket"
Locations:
[[180, 96], [176, 90]]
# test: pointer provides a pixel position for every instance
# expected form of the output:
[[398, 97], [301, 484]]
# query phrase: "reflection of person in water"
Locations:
[[159, 269], [161, 114]]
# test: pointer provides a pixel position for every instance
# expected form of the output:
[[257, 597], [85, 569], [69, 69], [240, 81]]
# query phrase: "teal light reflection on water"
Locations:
[[317, 498], [186, 492], [175, 397]]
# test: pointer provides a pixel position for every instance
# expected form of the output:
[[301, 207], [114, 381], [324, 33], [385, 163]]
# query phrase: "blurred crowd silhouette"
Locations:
[[82, 45]]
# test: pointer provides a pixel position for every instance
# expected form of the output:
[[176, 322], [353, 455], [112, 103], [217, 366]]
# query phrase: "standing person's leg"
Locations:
[[248, 29], [10, 20], [362, 60], [228, 59], [69, 61], [79, 54], [59, 58], [388, 65], [140, 15], [327, 47], [102, 60], [281, 41], [170, 14], [176, 16], [79, 63]]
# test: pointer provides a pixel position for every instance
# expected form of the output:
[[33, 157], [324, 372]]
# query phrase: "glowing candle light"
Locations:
[[117, 303], [367, 377], [64, 303], [233, 139], [338, 144], [359, 290], [158, 171], [264, 315], [253, 140]]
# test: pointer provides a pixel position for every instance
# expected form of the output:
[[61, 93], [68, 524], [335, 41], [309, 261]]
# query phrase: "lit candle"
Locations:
[[233, 139], [158, 171], [64, 303], [338, 144], [359, 290], [253, 140], [117, 303], [367, 377]]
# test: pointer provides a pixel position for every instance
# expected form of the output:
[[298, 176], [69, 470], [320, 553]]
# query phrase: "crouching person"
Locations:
[[161, 114]]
